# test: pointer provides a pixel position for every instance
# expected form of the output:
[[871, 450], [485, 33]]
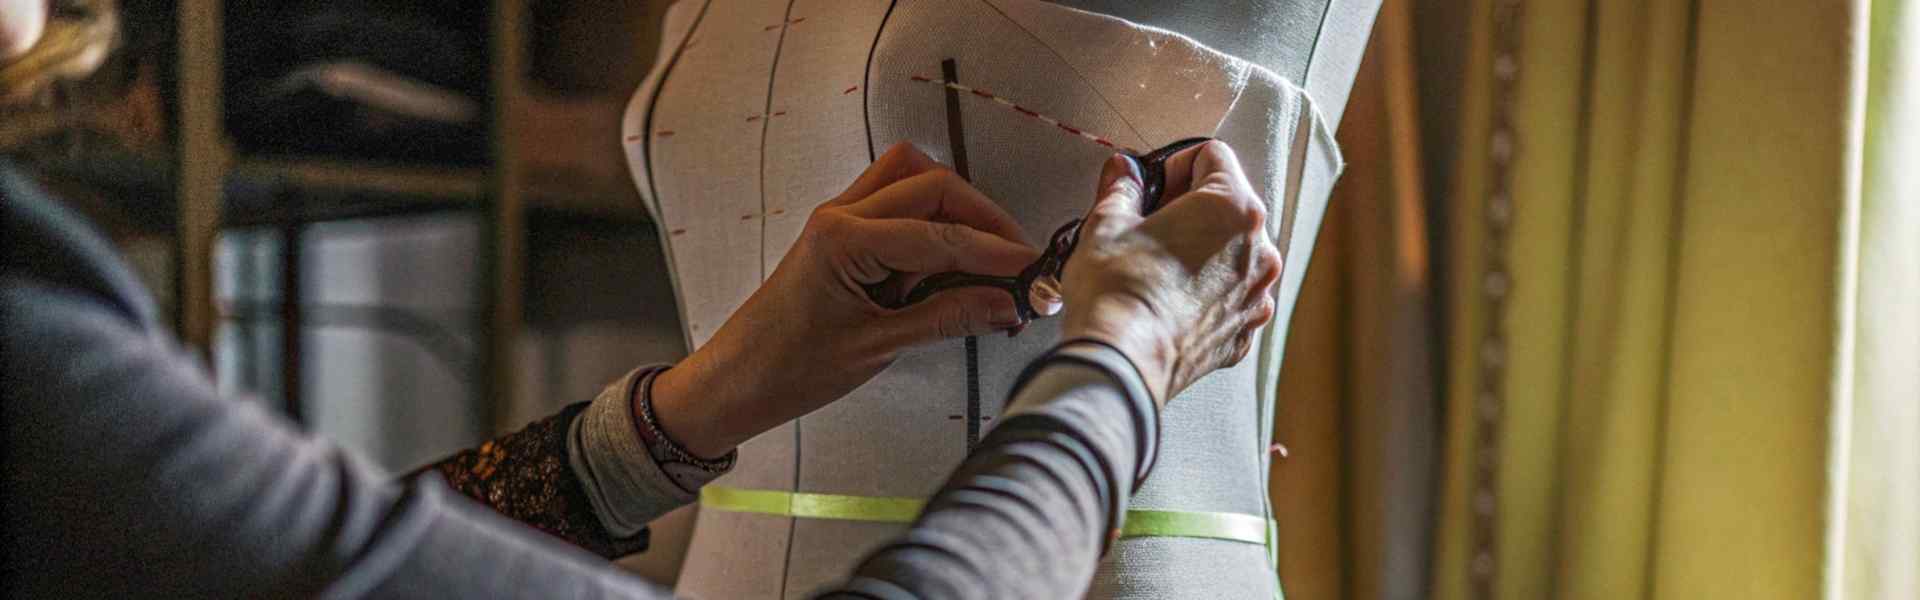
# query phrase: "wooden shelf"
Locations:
[[335, 190], [205, 168], [424, 182]]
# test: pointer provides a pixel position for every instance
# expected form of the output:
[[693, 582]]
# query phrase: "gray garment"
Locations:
[[128, 474], [1023, 514], [620, 477]]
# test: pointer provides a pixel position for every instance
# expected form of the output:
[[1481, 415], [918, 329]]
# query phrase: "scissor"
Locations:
[[1036, 290]]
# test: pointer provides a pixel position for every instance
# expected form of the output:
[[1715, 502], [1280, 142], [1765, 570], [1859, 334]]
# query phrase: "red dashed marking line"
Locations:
[[679, 231], [779, 25], [1025, 111], [664, 133], [849, 90], [746, 217], [753, 118], [633, 138], [779, 211], [781, 113]]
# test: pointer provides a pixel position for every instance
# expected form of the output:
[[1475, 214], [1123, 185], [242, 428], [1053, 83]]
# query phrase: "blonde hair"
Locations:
[[79, 36]]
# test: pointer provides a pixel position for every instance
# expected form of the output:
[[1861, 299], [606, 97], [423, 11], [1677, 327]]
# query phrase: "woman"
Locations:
[[128, 474]]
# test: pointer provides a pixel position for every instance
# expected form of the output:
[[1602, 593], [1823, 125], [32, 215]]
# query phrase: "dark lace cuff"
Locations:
[[526, 476]]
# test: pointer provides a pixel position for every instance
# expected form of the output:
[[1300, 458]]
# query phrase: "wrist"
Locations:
[[1132, 334], [682, 414]]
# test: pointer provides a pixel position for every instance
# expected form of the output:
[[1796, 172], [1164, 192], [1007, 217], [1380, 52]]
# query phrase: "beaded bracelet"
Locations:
[[688, 471]]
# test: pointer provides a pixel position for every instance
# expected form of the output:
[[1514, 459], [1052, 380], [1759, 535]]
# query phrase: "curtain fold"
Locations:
[[1358, 409], [1645, 228], [1874, 534]]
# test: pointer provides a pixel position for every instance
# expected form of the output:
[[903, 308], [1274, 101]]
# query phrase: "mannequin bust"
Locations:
[[758, 110]]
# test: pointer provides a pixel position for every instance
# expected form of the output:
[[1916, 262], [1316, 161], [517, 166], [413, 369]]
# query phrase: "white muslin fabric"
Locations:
[[757, 111]]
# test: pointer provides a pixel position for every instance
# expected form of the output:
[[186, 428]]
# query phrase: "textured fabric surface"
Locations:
[[527, 476], [730, 189], [1317, 44], [704, 139]]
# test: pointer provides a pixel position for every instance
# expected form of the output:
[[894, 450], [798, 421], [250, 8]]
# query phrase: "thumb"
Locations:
[[1118, 204], [957, 312]]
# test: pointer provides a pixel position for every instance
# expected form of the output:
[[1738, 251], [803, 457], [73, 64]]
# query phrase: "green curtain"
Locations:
[[1648, 223]]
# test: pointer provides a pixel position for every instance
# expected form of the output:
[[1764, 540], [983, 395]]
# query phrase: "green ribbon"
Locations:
[[807, 505]]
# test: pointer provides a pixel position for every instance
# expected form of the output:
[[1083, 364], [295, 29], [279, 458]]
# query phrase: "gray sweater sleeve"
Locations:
[[129, 475], [1033, 507]]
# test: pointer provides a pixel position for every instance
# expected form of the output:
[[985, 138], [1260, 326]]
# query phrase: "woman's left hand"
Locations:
[[810, 334]]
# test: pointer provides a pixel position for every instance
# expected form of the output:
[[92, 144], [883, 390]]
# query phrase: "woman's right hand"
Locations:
[[1182, 292]]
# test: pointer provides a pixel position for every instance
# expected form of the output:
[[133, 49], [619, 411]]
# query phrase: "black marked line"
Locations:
[[957, 146]]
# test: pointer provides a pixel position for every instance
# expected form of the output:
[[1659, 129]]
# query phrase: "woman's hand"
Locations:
[[1182, 292], [810, 334]]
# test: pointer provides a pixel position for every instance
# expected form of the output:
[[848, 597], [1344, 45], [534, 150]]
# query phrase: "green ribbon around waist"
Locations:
[[806, 505]]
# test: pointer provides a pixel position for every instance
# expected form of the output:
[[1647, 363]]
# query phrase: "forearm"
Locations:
[[1030, 511]]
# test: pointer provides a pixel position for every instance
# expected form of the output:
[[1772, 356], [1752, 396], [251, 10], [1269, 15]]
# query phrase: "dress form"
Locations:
[[760, 110]]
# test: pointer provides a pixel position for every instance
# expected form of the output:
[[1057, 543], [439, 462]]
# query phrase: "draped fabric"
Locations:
[[1357, 404], [1650, 302], [1874, 539]]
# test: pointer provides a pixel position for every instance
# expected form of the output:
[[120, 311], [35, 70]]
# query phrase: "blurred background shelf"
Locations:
[[291, 115], [286, 190]]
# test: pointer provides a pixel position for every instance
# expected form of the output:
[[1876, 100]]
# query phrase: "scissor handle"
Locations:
[[1153, 188], [1153, 172], [1153, 184]]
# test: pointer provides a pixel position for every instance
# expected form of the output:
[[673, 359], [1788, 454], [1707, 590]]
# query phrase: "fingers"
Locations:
[[939, 195], [917, 246], [899, 162], [1196, 164], [1117, 206], [953, 313], [1242, 346], [1262, 314], [1266, 272]]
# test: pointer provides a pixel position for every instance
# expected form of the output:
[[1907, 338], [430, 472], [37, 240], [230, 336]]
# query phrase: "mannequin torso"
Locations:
[[761, 109]]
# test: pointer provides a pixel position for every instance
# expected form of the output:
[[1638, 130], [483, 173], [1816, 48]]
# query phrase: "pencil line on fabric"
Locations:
[[1030, 113]]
